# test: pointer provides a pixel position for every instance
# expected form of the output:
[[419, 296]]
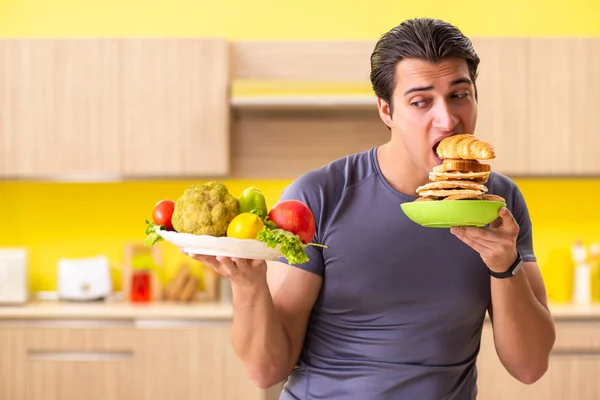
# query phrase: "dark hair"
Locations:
[[423, 38]]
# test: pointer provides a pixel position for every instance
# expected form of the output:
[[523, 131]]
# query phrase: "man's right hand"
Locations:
[[240, 271]]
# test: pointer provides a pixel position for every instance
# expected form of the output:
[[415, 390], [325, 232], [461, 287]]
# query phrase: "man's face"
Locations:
[[429, 103]]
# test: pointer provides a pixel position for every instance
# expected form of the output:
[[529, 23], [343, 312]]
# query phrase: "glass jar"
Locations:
[[141, 286]]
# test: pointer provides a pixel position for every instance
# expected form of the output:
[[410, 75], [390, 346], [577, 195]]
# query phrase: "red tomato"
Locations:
[[162, 213]]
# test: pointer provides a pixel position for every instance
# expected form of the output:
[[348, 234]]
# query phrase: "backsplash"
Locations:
[[56, 220]]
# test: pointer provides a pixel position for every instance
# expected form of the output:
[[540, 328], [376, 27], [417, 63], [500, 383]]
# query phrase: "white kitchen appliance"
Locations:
[[13, 276], [84, 279]]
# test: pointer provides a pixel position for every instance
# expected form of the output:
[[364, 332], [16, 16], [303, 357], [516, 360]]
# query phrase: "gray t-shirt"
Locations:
[[401, 309]]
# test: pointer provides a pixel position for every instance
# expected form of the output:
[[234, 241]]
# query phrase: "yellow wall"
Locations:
[[56, 220], [78, 220], [276, 19]]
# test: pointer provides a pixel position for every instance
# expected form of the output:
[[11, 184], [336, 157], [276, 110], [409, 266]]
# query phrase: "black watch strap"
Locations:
[[511, 271]]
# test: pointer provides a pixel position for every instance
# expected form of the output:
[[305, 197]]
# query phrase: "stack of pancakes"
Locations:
[[461, 176]]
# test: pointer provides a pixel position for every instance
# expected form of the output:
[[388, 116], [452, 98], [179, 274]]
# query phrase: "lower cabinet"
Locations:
[[193, 360], [573, 372], [74, 360]]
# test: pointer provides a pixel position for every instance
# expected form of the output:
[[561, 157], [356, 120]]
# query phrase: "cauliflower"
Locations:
[[205, 209]]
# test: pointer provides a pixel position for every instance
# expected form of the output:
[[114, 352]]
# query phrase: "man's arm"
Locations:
[[523, 328], [270, 320]]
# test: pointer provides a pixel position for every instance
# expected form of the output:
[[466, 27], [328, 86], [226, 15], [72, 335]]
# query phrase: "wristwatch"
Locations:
[[511, 271]]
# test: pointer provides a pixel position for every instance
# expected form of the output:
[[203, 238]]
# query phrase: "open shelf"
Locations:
[[303, 101]]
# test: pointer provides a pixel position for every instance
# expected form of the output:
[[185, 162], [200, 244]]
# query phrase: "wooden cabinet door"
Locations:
[[564, 87], [179, 361], [572, 374], [175, 108], [13, 378], [63, 360], [188, 360], [137, 108], [59, 107], [503, 100]]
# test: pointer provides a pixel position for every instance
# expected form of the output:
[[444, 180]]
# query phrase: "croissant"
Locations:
[[466, 147]]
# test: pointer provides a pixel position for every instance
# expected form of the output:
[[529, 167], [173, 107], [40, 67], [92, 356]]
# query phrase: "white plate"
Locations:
[[221, 246]]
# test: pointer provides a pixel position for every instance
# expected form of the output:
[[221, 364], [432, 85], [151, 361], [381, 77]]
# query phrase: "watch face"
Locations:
[[517, 268]]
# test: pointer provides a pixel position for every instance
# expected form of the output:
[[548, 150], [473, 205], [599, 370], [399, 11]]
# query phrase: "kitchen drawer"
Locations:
[[577, 337], [113, 338], [90, 375], [64, 360]]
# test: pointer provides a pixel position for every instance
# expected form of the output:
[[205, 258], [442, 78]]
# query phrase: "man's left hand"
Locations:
[[496, 244]]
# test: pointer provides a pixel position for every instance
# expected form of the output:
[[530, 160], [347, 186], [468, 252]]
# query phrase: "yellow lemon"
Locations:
[[245, 226]]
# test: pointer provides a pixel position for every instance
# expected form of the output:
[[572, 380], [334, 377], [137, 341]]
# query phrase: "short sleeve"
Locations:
[[308, 189], [521, 214]]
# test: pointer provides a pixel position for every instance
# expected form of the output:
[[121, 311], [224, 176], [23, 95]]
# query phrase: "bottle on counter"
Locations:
[[582, 285], [594, 261]]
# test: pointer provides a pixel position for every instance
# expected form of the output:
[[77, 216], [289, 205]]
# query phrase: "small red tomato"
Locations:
[[162, 213]]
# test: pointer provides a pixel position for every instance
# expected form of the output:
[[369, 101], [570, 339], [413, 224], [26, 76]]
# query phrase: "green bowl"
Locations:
[[449, 213]]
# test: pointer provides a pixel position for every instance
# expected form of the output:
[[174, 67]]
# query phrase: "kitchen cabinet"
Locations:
[[190, 360], [162, 108], [562, 114], [132, 108], [538, 101], [173, 352], [572, 374], [503, 99], [59, 107], [175, 107]]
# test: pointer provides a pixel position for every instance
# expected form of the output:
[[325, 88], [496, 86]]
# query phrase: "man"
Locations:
[[392, 310]]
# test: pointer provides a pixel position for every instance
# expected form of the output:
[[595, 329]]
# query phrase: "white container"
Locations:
[[582, 283], [13, 276]]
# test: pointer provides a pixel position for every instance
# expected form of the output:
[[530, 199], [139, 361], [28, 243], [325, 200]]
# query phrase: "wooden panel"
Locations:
[[331, 61], [584, 105], [285, 144], [13, 378], [503, 101], [190, 361], [59, 107], [572, 373], [563, 111], [577, 335], [63, 379], [175, 107], [65, 360]]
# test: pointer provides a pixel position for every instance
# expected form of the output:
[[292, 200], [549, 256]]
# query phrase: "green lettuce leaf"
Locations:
[[290, 245], [152, 236]]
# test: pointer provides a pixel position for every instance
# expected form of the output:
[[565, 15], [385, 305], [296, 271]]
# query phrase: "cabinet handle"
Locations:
[[589, 352], [66, 323], [79, 355], [174, 323]]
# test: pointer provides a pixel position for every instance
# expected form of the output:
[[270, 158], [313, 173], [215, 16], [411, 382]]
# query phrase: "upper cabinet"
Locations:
[[175, 107], [563, 115], [131, 108], [538, 102], [59, 107], [168, 108], [503, 100]]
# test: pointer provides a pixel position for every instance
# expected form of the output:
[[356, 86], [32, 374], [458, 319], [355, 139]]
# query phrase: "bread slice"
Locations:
[[452, 165]]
